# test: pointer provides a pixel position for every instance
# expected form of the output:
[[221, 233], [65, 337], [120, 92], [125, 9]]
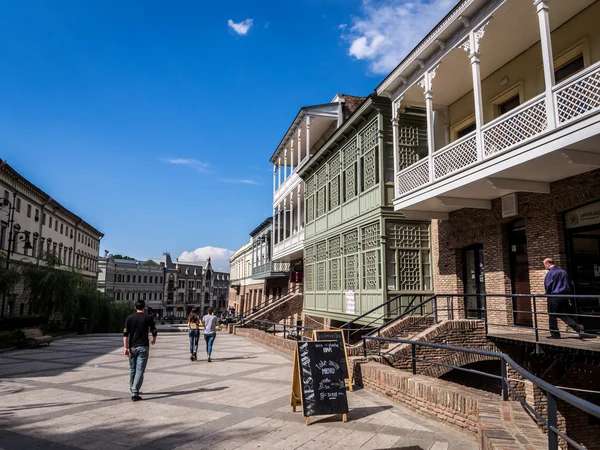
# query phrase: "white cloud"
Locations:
[[240, 181], [219, 257], [388, 30], [342, 26], [198, 166], [242, 27]]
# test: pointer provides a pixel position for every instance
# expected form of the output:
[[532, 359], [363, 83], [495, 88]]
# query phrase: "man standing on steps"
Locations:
[[137, 346], [557, 282]]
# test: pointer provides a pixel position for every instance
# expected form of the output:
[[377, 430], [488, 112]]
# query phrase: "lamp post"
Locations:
[[12, 239]]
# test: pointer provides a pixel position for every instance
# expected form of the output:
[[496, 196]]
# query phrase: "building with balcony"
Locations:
[[132, 280], [244, 291], [356, 246], [312, 126], [276, 274], [33, 224], [508, 157], [193, 285]]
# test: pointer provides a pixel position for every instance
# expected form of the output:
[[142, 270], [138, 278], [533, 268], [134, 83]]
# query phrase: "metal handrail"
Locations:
[[262, 305], [553, 393], [285, 326]]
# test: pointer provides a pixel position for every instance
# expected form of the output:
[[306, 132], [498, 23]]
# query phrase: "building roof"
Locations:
[[265, 224], [46, 198]]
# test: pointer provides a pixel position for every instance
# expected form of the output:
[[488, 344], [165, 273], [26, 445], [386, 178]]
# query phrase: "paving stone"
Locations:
[[75, 395]]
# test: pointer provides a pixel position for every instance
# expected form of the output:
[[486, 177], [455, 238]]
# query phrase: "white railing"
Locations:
[[456, 156], [573, 98], [516, 126], [413, 177], [292, 180], [579, 95], [289, 243]]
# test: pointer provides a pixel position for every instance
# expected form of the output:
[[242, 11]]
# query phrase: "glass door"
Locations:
[[474, 281]]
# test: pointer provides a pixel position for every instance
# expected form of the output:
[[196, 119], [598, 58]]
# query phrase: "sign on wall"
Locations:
[[583, 216], [509, 206], [350, 303]]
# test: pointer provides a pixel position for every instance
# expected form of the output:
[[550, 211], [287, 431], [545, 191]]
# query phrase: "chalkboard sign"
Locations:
[[335, 335], [318, 383]]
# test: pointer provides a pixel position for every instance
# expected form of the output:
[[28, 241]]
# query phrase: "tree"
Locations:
[[9, 277], [119, 256], [53, 292]]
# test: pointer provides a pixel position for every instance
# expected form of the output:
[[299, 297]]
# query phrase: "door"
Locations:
[[473, 281], [519, 274]]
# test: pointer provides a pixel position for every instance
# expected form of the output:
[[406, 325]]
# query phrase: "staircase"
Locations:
[[281, 309]]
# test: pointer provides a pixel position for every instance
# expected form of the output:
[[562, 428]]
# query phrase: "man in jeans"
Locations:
[[136, 343], [557, 282]]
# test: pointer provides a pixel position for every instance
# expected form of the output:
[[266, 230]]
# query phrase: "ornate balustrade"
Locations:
[[579, 95], [454, 157], [270, 269], [573, 98]]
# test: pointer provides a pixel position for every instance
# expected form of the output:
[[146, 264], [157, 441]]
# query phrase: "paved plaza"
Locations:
[[75, 395]]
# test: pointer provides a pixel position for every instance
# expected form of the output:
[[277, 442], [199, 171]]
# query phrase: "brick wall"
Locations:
[[543, 214], [498, 424], [280, 310], [283, 345]]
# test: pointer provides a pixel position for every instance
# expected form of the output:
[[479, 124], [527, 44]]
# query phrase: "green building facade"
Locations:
[[354, 241]]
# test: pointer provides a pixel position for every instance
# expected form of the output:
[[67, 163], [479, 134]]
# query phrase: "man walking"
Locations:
[[557, 283], [137, 346]]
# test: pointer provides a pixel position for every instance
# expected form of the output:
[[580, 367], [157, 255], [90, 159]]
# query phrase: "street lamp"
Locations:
[[13, 239]]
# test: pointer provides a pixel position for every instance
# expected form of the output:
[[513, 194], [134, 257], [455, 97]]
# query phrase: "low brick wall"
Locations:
[[498, 424], [283, 345]]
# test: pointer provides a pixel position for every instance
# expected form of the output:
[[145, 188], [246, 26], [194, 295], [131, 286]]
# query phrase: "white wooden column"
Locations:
[[285, 164], [274, 230], [253, 244], [472, 47], [427, 84], [299, 207], [299, 145], [279, 168], [395, 134], [291, 213], [284, 217], [308, 119], [291, 154], [274, 178], [547, 58]]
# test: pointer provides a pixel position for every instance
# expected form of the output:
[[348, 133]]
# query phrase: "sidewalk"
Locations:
[[75, 395]]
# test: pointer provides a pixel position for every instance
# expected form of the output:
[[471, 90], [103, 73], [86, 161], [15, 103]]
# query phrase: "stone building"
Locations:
[[193, 285], [132, 280], [39, 225]]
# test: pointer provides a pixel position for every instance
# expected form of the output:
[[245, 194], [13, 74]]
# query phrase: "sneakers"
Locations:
[[136, 398], [195, 356], [191, 357], [581, 331], [209, 360]]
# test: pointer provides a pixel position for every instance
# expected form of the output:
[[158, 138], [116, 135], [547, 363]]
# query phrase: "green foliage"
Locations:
[[59, 293], [20, 322], [118, 256], [8, 277], [52, 291]]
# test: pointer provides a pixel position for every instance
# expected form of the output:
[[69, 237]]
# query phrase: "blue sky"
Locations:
[[155, 120]]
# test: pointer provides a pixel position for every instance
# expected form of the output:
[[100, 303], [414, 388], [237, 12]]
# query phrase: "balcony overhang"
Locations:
[[561, 153]]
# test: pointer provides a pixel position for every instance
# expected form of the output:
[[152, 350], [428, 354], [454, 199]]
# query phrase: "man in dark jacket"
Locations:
[[137, 346], [557, 282]]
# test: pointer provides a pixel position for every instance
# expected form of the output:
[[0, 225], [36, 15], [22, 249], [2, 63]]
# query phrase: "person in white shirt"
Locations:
[[210, 330]]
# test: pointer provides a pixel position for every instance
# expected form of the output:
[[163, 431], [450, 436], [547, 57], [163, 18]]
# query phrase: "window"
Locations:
[[321, 193], [349, 178], [156, 280], [118, 296], [128, 278], [56, 225], [3, 230], [61, 229], [22, 309], [66, 231], [371, 256], [463, 127], [144, 296], [43, 218], [161, 280], [34, 245], [139, 278], [145, 279], [54, 248], [37, 214], [18, 205], [6, 195], [369, 156], [509, 105], [569, 69], [408, 256], [28, 210]]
